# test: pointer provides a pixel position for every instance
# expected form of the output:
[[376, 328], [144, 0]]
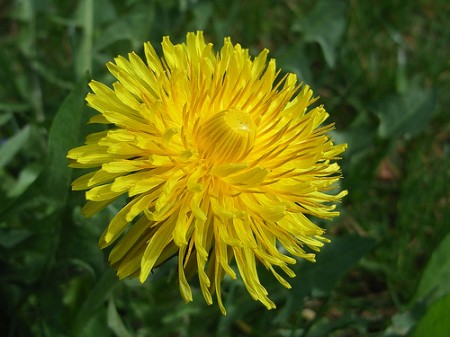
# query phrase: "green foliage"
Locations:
[[382, 71], [433, 283], [324, 25], [434, 322], [407, 114]]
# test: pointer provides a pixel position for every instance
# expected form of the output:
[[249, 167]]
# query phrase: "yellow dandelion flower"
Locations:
[[221, 160]]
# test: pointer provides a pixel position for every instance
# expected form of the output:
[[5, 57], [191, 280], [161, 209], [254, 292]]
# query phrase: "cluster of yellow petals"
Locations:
[[220, 159]]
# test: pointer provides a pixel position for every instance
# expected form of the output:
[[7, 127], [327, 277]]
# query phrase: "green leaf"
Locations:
[[333, 262], [435, 322], [115, 322], [433, 286], [11, 107], [358, 140], [10, 237], [4, 117], [64, 135], [94, 300], [26, 177], [202, 14], [13, 145], [435, 279], [407, 114], [325, 24], [133, 27], [289, 57]]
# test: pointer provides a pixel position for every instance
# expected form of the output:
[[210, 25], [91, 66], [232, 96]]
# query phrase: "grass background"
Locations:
[[382, 69]]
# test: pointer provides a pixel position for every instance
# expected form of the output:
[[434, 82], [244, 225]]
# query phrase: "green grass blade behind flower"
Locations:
[[13, 145], [14, 186], [92, 303], [5, 117], [115, 322], [27, 176]]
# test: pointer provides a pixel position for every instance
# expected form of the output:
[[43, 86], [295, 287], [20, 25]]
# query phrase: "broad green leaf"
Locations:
[[407, 114], [64, 135], [333, 262], [435, 322], [13, 145], [435, 279], [325, 24]]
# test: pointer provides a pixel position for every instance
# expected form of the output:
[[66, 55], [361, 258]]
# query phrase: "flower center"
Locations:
[[228, 136]]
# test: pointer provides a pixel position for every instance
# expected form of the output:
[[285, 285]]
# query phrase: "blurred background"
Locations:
[[382, 70]]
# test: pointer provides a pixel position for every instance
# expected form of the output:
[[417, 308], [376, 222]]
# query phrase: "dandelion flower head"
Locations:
[[223, 162]]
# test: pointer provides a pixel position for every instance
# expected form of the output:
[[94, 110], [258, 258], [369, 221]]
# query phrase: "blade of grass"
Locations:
[[94, 300], [13, 145]]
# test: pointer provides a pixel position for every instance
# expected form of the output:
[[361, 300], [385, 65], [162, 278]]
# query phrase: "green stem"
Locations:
[[84, 57]]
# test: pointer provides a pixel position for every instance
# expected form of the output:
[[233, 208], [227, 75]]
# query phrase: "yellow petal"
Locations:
[[155, 247], [250, 178]]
